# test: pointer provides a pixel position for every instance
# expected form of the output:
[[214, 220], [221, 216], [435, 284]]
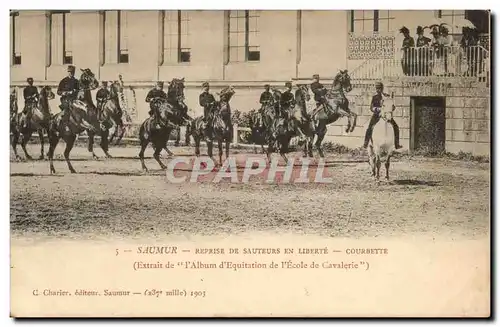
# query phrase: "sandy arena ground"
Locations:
[[113, 198]]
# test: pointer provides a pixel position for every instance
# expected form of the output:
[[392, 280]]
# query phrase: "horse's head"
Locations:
[[88, 81], [176, 90], [276, 94], [47, 93], [304, 90], [226, 93], [164, 111], [115, 89], [343, 80], [387, 108]]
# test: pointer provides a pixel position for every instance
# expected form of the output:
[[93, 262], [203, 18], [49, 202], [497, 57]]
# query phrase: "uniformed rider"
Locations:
[[156, 93], [375, 109], [266, 96], [287, 98], [319, 93], [102, 95], [68, 91], [206, 100], [31, 96]]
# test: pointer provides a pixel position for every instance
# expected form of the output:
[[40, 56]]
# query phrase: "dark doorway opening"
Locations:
[[428, 125]]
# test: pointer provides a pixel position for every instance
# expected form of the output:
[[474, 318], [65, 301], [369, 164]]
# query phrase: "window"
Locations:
[[175, 28], [450, 17], [372, 21], [61, 38], [385, 21], [244, 35], [115, 37], [15, 38], [122, 37]]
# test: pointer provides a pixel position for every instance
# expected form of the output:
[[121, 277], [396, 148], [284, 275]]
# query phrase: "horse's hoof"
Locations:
[[42, 157], [73, 171], [29, 158], [109, 156]]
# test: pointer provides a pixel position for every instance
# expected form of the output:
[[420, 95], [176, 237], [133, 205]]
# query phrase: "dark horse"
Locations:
[[280, 130], [39, 121], [83, 117], [338, 106], [222, 127], [112, 113], [170, 116]]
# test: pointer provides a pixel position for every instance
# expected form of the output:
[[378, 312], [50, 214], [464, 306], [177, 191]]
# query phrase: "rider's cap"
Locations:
[[288, 84], [420, 29], [71, 68], [104, 82], [267, 85], [159, 83], [29, 79], [316, 76], [379, 84], [205, 84]]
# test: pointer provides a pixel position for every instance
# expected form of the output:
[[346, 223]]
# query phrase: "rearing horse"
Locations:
[[177, 109], [222, 127], [111, 112], [81, 114], [338, 106], [39, 121]]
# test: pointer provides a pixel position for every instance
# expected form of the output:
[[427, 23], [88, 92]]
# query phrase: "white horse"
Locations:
[[381, 146]]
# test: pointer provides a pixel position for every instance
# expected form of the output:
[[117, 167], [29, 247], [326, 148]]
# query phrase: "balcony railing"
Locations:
[[445, 62]]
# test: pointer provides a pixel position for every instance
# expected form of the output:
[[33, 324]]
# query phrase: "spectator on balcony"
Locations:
[[423, 53], [469, 44], [441, 43], [408, 59]]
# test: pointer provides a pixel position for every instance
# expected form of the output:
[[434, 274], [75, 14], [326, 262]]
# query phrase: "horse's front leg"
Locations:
[[91, 144], [283, 148], [40, 136], [387, 164], [104, 143], [15, 141], [219, 144], [354, 120], [167, 137], [26, 138], [115, 133], [321, 135]]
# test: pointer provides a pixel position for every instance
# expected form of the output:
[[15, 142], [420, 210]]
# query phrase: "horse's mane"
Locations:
[[227, 91]]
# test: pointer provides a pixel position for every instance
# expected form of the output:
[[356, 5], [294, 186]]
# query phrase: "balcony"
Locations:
[[429, 64]]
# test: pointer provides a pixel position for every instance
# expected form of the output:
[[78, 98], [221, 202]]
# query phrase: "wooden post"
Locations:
[[235, 134]]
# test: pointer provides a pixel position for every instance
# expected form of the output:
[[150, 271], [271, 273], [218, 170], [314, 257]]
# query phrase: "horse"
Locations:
[[256, 129], [177, 117], [304, 99], [111, 112], [338, 106], [39, 121], [381, 145], [279, 130], [158, 137], [220, 118], [83, 117], [171, 116]]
